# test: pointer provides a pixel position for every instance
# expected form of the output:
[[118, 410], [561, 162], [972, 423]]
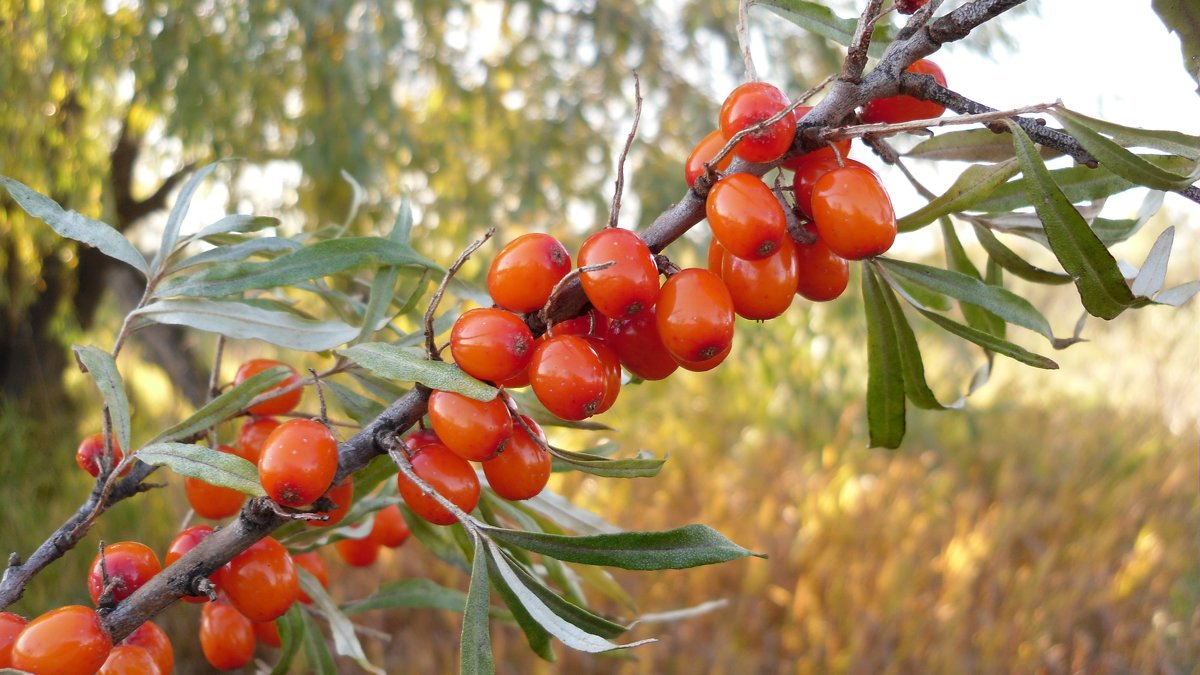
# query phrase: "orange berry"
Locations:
[[705, 150], [298, 462], [130, 565], [472, 429], [314, 565], [627, 288], [749, 104], [762, 289], [226, 637], [843, 146], [150, 637], [853, 213], [695, 317], [491, 344], [10, 627], [267, 633], [640, 348], [522, 470], [342, 496], [390, 529], [253, 435], [745, 216], [129, 660], [261, 581], [447, 473], [568, 377], [91, 449], [69, 640], [822, 275], [525, 271], [421, 438], [894, 109], [612, 372], [213, 501], [184, 542], [276, 405], [809, 169], [358, 552]]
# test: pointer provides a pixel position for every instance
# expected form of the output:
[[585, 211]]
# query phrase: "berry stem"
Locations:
[[620, 186], [743, 34], [547, 311], [431, 349]]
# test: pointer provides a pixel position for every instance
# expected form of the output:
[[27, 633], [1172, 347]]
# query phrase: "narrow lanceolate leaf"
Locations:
[[402, 228], [226, 405], [560, 511], [316, 652], [438, 540], [1116, 231], [383, 287], [1178, 295], [633, 467], [1003, 303], [958, 261], [1122, 162], [537, 636], [244, 321], [291, 634], [475, 646], [885, 372], [973, 145], [990, 342], [689, 546], [1078, 183], [1182, 17], [360, 408], [211, 466], [1172, 142], [183, 201], [576, 615], [568, 633], [819, 19], [410, 594], [103, 371], [314, 261], [398, 363], [345, 640], [971, 187], [1154, 271], [1009, 260], [75, 225], [1081, 253], [531, 406], [915, 386], [235, 222], [262, 246]]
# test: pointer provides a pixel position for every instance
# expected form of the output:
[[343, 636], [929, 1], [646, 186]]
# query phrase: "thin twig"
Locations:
[[431, 349], [291, 514], [856, 56], [854, 131], [743, 34], [324, 417], [795, 226], [620, 186], [548, 309]]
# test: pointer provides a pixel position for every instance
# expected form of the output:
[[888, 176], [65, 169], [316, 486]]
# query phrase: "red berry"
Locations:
[[705, 150], [749, 104], [707, 364], [390, 529], [298, 462], [822, 274], [261, 581], [589, 324], [150, 637], [314, 565], [213, 501], [226, 636], [809, 169], [612, 372], [894, 109], [253, 435], [853, 213], [474, 430], [909, 6], [342, 496], [491, 344], [762, 289], [745, 216], [522, 470], [358, 552], [129, 660], [129, 564], [525, 271], [640, 347], [421, 438], [843, 146], [276, 405], [184, 542], [10, 627], [627, 288], [267, 633], [447, 473], [695, 317], [69, 640], [91, 449], [568, 377]]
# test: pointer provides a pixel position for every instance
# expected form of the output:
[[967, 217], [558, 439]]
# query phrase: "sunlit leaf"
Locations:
[[183, 201], [1172, 142], [971, 187], [291, 634], [1122, 162], [1178, 295], [1182, 17], [236, 252], [214, 467], [226, 405], [537, 636], [103, 371], [1154, 271], [576, 615], [345, 640], [407, 365], [244, 321], [633, 467], [475, 645], [973, 145], [885, 373], [915, 386], [1009, 260], [819, 19]]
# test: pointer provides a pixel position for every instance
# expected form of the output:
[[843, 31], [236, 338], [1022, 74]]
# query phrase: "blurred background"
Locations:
[[1048, 527]]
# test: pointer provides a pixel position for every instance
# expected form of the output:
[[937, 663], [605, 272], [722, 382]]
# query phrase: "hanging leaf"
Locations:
[[183, 201], [316, 652], [990, 342], [1154, 271], [226, 405], [971, 187], [537, 636], [475, 645], [643, 466], [819, 19], [973, 145], [1009, 260], [236, 252], [1116, 231], [406, 365], [345, 640], [244, 321], [885, 374], [579, 617], [1122, 162], [958, 260], [1179, 294], [1182, 17], [103, 371], [1078, 183], [75, 225], [291, 634], [1082, 254], [214, 467], [1171, 142], [915, 386]]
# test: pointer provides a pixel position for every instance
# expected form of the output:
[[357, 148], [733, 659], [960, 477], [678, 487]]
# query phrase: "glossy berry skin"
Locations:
[[568, 377], [358, 552], [853, 213], [342, 496], [707, 364], [522, 470], [298, 462], [750, 104], [745, 216], [447, 473], [253, 435], [91, 449], [130, 565], [10, 627], [390, 529], [843, 146], [822, 275], [491, 344], [421, 438], [226, 637], [213, 501], [612, 372], [267, 632], [184, 542], [894, 109], [129, 660], [809, 169], [69, 640], [261, 581], [762, 289], [150, 637], [589, 324], [474, 430], [705, 150], [312, 563], [695, 316], [640, 348], [525, 271], [276, 405], [629, 287]]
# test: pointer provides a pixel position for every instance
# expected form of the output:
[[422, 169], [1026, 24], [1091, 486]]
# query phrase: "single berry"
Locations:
[[298, 462], [226, 636], [909, 6], [447, 473], [390, 529], [184, 542], [312, 563], [491, 344], [421, 438], [895, 109], [358, 552], [695, 317], [91, 449], [342, 496], [705, 150], [525, 271], [745, 216], [523, 469], [267, 632], [150, 637], [10, 627], [253, 435], [69, 640], [853, 213], [474, 430], [612, 372], [628, 287], [129, 660], [762, 289], [129, 565], [843, 146], [809, 169], [568, 377], [640, 347], [261, 581], [276, 405], [213, 501], [822, 274], [749, 104], [589, 324]]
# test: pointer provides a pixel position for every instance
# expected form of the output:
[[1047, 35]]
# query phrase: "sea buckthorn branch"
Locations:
[[856, 55], [837, 133], [431, 348], [620, 184]]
